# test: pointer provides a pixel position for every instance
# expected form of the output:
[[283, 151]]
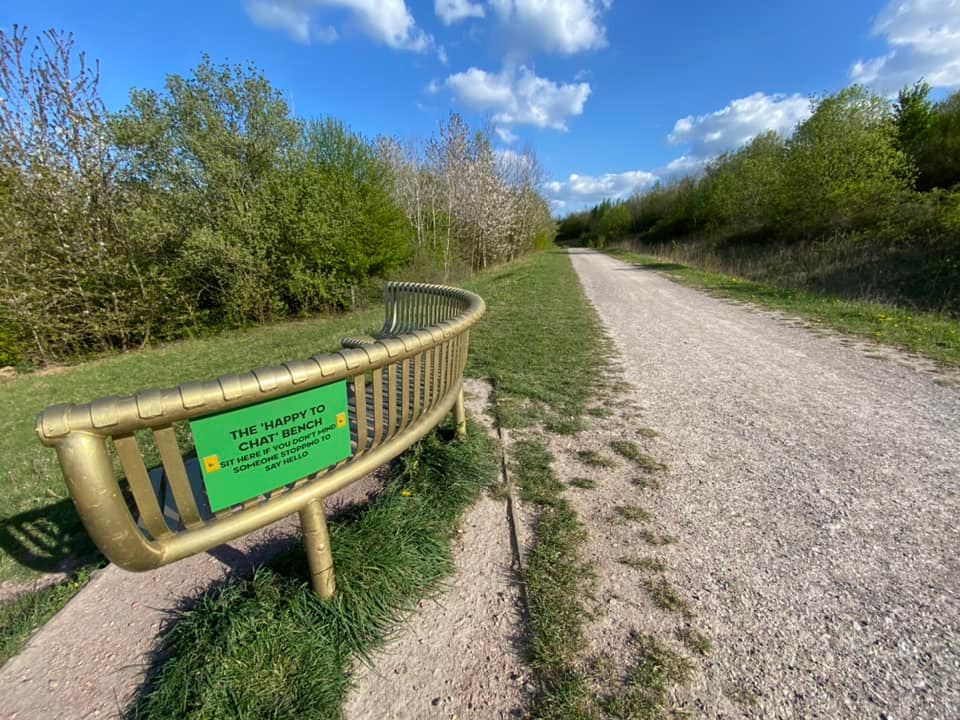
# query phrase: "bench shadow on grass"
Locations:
[[47, 539]]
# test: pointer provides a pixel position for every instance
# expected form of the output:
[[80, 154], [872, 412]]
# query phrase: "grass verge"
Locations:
[[556, 582], [266, 647], [543, 346], [541, 343], [934, 335]]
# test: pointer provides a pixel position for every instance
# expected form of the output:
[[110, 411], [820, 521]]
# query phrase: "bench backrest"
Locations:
[[397, 388]]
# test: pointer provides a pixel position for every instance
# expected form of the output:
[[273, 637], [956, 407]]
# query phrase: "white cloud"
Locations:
[[562, 26], [585, 190], [924, 36], [275, 16], [519, 97], [505, 135], [386, 21], [737, 124], [683, 165], [442, 55], [452, 11]]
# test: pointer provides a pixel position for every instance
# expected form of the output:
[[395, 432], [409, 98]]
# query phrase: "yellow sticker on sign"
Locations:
[[211, 463], [341, 420]]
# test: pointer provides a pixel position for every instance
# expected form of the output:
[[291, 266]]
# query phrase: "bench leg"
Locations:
[[313, 521], [460, 415]]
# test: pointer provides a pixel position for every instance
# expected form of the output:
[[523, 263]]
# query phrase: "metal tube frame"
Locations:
[[435, 354]]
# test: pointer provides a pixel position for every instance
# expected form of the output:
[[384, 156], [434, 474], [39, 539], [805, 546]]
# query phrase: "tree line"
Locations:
[[862, 199], [208, 205]]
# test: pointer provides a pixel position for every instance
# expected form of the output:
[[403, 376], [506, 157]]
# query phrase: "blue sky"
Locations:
[[612, 94]]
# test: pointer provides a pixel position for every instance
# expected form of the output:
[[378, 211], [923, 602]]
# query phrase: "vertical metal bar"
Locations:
[[460, 415], [177, 476], [437, 366], [132, 462], [316, 539], [360, 399], [392, 399], [377, 387], [404, 392], [415, 383], [427, 379], [451, 357], [418, 311], [444, 368]]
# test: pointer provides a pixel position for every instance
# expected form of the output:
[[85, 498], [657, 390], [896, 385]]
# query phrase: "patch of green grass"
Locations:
[[645, 481], [525, 343], [594, 458], [666, 597], [632, 513], [655, 672], [695, 640], [648, 432], [20, 617], [534, 474], [649, 564], [631, 451], [599, 412], [656, 539], [266, 647], [583, 483], [555, 583], [562, 425], [742, 696], [932, 334]]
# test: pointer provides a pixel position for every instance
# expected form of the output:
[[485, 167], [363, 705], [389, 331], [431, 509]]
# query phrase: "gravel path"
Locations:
[[814, 489], [459, 655]]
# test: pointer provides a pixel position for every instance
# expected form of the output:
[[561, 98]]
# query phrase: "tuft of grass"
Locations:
[[666, 596], [695, 640], [934, 335], [593, 458], [267, 647], [631, 451], [534, 474], [648, 432], [632, 513], [599, 412], [20, 617], [564, 425], [655, 672], [646, 481], [742, 695], [583, 483], [652, 538], [649, 564]]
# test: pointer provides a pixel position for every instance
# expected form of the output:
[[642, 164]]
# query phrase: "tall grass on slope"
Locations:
[[268, 648], [935, 335]]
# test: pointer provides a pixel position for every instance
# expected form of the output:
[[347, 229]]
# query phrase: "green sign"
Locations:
[[247, 452]]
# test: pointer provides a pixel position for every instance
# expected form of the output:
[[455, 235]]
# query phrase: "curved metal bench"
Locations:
[[395, 390]]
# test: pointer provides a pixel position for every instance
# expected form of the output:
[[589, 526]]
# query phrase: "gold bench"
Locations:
[[358, 408]]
